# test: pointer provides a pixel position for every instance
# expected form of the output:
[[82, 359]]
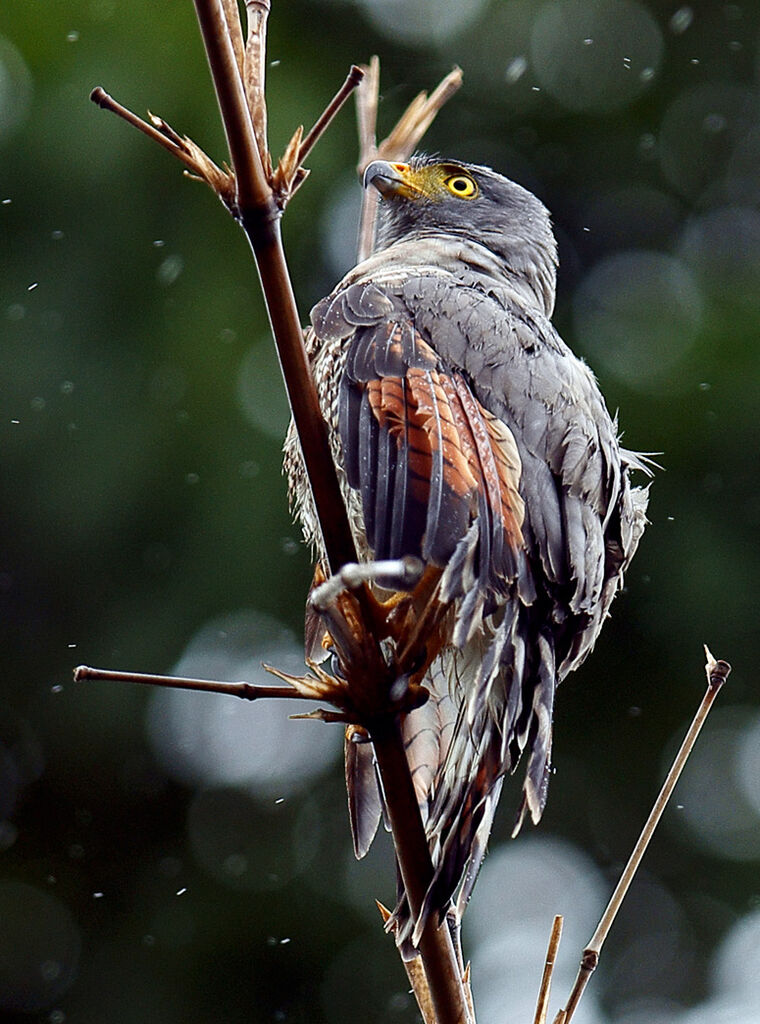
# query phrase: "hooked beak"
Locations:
[[391, 180]]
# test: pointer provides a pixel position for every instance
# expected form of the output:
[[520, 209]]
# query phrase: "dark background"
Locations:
[[178, 858]]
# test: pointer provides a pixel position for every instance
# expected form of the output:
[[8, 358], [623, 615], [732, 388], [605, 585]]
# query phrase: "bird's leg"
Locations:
[[399, 574]]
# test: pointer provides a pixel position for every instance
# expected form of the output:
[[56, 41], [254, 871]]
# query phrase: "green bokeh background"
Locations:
[[140, 500]]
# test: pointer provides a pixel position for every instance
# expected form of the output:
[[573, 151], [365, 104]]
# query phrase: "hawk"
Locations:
[[467, 434]]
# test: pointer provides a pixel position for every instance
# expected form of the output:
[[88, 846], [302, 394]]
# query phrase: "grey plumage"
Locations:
[[436, 358]]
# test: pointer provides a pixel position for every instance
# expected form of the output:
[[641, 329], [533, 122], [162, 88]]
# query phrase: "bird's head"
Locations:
[[434, 197]]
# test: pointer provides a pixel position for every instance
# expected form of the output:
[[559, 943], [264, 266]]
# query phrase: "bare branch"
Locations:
[[235, 29], [401, 142], [415, 972], [542, 1005], [417, 118], [246, 691], [198, 164], [253, 190], [436, 947], [254, 75], [367, 99], [717, 673], [353, 79]]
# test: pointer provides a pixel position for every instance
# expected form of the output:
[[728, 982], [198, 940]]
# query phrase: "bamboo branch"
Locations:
[[717, 673], [353, 79], [246, 691], [254, 74], [544, 992]]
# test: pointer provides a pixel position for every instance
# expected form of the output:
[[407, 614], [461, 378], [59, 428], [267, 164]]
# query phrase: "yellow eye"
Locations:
[[462, 185]]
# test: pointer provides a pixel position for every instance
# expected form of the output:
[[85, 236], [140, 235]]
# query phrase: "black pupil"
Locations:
[[460, 184]]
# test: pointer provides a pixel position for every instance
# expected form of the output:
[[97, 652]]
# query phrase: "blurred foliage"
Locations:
[[140, 431]]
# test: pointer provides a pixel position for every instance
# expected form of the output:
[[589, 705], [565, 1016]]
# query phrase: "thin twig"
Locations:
[[544, 992], [254, 75], [246, 691], [354, 77], [199, 165], [420, 114], [235, 29], [367, 99], [399, 144], [717, 673]]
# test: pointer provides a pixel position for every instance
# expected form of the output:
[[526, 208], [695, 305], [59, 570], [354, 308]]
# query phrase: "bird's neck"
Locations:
[[530, 286]]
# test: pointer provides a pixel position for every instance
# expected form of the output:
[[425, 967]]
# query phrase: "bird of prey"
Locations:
[[467, 434]]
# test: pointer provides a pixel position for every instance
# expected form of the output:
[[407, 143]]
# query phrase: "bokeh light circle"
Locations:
[[39, 948], [636, 314], [595, 57], [699, 134], [712, 791], [521, 887], [207, 739], [722, 249], [15, 89], [420, 22]]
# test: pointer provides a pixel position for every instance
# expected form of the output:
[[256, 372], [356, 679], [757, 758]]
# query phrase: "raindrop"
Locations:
[[169, 270], [681, 20], [638, 312], [66, 387], [98, 895], [515, 70], [57, 688], [192, 478], [181, 892], [56, 235], [72, 37], [32, 286], [37, 403]]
